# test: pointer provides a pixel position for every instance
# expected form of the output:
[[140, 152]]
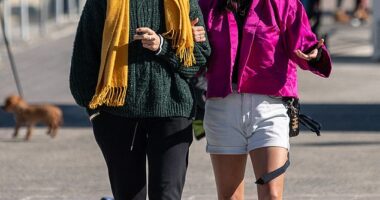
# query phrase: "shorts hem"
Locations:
[[269, 144], [225, 150]]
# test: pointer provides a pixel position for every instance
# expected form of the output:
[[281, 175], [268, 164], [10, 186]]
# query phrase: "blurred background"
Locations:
[[344, 163]]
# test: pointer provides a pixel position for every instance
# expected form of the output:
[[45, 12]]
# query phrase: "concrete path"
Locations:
[[343, 164]]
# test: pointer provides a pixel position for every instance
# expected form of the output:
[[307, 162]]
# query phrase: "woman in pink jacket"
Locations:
[[256, 47]]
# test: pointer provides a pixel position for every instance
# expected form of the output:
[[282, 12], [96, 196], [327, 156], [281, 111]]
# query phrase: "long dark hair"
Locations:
[[222, 5], [243, 5]]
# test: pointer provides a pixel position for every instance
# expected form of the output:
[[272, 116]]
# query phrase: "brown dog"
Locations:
[[30, 115]]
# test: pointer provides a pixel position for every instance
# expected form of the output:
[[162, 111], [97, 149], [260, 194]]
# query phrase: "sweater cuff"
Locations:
[[161, 42], [165, 47], [91, 112]]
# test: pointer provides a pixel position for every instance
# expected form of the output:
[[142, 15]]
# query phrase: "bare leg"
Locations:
[[266, 160], [361, 10], [229, 175], [341, 14]]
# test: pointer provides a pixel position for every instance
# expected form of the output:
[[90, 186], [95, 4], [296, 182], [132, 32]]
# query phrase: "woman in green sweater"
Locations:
[[129, 69]]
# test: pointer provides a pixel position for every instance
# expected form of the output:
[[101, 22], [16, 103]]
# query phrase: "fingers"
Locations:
[[313, 54], [195, 21], [148, 46], [199, 30], [144, 33], [300, 54], [148, 42], [320, 43], [153, 46], [144, 37], [199, 39], [145, 30], [199, 33], [149, 39]]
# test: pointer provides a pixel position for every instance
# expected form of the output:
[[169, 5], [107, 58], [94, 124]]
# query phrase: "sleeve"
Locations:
[[300, 36], [86, 57], [206, 6], [202, 50]]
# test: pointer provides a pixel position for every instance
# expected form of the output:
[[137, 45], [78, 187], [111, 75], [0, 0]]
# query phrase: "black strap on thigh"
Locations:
[[272, 175]]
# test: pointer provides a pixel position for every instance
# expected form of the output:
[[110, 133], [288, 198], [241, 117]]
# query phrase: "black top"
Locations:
[[240, 15]]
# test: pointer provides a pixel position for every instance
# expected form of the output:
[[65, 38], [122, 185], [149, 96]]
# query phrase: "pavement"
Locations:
[[342, 164]]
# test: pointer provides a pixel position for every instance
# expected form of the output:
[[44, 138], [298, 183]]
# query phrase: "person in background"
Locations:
[[340, 13], [360, 13], [256, 46], [313, 10], [130, 68]]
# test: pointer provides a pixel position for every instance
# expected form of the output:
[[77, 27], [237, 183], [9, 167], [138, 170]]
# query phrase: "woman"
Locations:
[[129, 69], [313, 10], [360, 13], [256, 47]]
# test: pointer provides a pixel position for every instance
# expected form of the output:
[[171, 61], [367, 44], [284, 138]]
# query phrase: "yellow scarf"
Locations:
[[112, 83]]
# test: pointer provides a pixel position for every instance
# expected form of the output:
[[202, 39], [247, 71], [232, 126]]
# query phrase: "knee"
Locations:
[[271, 194], [230, 197], [236, 195], [275, 195]]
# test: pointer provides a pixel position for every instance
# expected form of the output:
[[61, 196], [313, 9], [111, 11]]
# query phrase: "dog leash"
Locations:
[[10, 55]]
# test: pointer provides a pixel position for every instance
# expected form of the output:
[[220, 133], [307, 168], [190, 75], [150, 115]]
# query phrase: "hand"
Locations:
[[149, 39], [313, 54], [198, 31]]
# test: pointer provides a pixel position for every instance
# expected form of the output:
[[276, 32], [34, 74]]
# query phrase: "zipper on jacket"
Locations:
[[134, 135]]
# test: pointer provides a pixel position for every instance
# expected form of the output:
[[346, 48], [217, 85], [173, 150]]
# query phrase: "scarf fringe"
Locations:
[[109, 96], [186, 54]]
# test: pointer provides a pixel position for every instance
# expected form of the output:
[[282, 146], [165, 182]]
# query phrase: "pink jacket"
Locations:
[[273, 30]]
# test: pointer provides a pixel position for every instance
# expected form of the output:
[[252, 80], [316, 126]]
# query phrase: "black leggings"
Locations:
[[125, 144]]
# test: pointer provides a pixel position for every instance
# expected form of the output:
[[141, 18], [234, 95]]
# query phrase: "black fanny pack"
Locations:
[[296, 118]]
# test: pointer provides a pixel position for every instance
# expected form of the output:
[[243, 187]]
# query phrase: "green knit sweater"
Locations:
[[157, 84]]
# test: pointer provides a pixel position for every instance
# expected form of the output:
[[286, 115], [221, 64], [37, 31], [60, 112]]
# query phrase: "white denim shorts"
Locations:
[[240, 123]]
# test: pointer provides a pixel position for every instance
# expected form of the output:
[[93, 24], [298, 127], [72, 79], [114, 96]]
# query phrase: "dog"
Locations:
[[29, 115]]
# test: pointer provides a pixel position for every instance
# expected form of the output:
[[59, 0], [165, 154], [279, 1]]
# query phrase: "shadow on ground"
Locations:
[[333, 117], [345, 117], [352, 59], [338, 144]]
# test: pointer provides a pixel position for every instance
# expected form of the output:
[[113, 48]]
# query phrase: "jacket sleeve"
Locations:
[[300, 36], [202, 50], [86, 57]]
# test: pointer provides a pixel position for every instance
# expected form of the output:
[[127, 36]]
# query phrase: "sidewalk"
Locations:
[[342, 164]]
